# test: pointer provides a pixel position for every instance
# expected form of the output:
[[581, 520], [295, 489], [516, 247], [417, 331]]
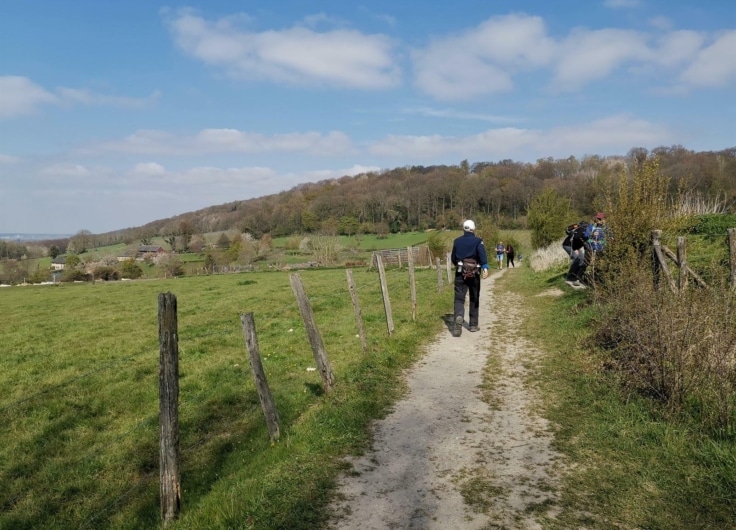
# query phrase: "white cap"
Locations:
[[468, 226]]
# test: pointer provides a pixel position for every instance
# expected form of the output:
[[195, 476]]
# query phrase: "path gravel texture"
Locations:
[[446, 459]]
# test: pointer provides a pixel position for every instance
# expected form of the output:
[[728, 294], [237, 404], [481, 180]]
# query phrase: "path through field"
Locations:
[[446, 459]]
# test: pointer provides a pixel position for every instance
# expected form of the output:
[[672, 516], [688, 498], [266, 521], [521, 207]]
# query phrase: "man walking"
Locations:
[[470, 261]]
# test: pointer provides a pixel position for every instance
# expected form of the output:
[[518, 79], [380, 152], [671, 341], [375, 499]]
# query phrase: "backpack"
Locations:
[[470, 266], [579, 236]]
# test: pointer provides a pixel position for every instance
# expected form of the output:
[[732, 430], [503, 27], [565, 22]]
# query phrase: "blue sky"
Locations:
[[117, 113]]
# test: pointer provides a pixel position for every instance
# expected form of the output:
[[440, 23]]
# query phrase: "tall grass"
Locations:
[[79, 444]]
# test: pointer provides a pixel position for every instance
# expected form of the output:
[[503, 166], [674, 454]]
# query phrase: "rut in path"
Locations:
[[446, 459]]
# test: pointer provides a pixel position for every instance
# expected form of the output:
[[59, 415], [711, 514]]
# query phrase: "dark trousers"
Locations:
[[462, 288], [510, 260]]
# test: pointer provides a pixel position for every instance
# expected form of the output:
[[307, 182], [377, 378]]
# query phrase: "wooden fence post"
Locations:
[[682, 262], [450, 268], [412, 284], [659, 263], [168, 392], [356, 308], [732, 256], [259, 376], [386, 299], [440, 282], [315, 339]]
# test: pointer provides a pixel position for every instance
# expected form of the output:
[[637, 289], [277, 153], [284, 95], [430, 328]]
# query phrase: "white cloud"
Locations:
[[715, 65], [612, 134], [20, 95], [210, 141], [86, 97], [458, 115], [297, 55], [66, 170], [619, 4], [483, 59], [678, 47], [149, 169], [587, 56], [7, 159]]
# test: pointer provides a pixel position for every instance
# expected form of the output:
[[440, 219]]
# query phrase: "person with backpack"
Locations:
[[510, 253], [500, 251], [587, 240], [471, 263]]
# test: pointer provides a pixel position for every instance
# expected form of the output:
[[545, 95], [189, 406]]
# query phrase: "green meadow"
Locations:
[[79, 369]]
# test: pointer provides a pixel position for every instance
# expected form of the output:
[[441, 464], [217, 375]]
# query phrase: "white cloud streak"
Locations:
[[211, 141]]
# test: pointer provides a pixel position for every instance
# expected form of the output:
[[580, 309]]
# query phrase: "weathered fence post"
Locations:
[[440, 282], [168, 392], [356, 308], [659, 264], [412, 283], [315, 339], [682, 262], [732, 255], [386, 299], [450, 268], [259, 376]]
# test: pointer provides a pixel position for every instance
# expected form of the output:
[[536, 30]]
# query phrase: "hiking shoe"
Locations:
[[474, 328], [458, 326], [576, 283]]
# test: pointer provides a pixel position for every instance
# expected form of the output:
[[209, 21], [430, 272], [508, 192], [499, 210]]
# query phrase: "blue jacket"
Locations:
[[469, 246]]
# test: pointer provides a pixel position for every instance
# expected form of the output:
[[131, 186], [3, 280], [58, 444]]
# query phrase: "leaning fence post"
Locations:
[[659, 263], [682, 262], [259, 376], [356, 308], [732, 255], [168, 392], [384, 291], [315, 339], [412, 283], [450, 266]]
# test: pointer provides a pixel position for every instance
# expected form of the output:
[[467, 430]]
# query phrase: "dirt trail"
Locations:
[[444, 458]]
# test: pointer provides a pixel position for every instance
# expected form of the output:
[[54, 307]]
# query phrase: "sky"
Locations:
[[116, 113]]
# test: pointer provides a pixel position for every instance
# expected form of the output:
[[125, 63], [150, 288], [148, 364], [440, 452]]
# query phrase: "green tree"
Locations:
[[131, 269], [72, 261], [54, 251], [547, 217]]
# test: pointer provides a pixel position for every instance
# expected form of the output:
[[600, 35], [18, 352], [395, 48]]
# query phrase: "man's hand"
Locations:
[[485, 274]]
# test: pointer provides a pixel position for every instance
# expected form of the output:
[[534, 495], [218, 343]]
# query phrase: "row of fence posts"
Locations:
[[661, 268], [169, 452]]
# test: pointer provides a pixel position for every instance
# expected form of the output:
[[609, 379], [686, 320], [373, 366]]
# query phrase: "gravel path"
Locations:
[[446, 459]]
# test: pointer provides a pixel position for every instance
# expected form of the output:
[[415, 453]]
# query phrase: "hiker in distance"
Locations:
[[470, 260]]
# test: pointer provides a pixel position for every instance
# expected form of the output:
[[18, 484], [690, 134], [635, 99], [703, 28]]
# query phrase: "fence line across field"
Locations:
[[169, 449]]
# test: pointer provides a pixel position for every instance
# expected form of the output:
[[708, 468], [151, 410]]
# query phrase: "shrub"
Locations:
[[547, 217]]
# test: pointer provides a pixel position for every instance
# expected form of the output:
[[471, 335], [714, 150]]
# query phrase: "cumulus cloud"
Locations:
[[483, 59], [297, 55], [20, 95], [715, 65], [488, 58]]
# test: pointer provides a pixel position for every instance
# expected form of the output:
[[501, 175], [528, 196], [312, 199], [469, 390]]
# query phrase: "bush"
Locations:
[[106, 273], [547, 218], [678, 349]]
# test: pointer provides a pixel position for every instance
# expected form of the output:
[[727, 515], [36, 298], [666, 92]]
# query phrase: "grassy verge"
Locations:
[[627, 467], [80, 403]]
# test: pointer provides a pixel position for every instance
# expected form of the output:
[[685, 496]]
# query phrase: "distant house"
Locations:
[[150, 250], [58, 263]]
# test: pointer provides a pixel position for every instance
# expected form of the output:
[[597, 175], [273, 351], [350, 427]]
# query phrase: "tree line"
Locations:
[[431, 197]]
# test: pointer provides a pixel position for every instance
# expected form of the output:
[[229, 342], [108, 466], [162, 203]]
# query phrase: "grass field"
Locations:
[[80, 403]]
